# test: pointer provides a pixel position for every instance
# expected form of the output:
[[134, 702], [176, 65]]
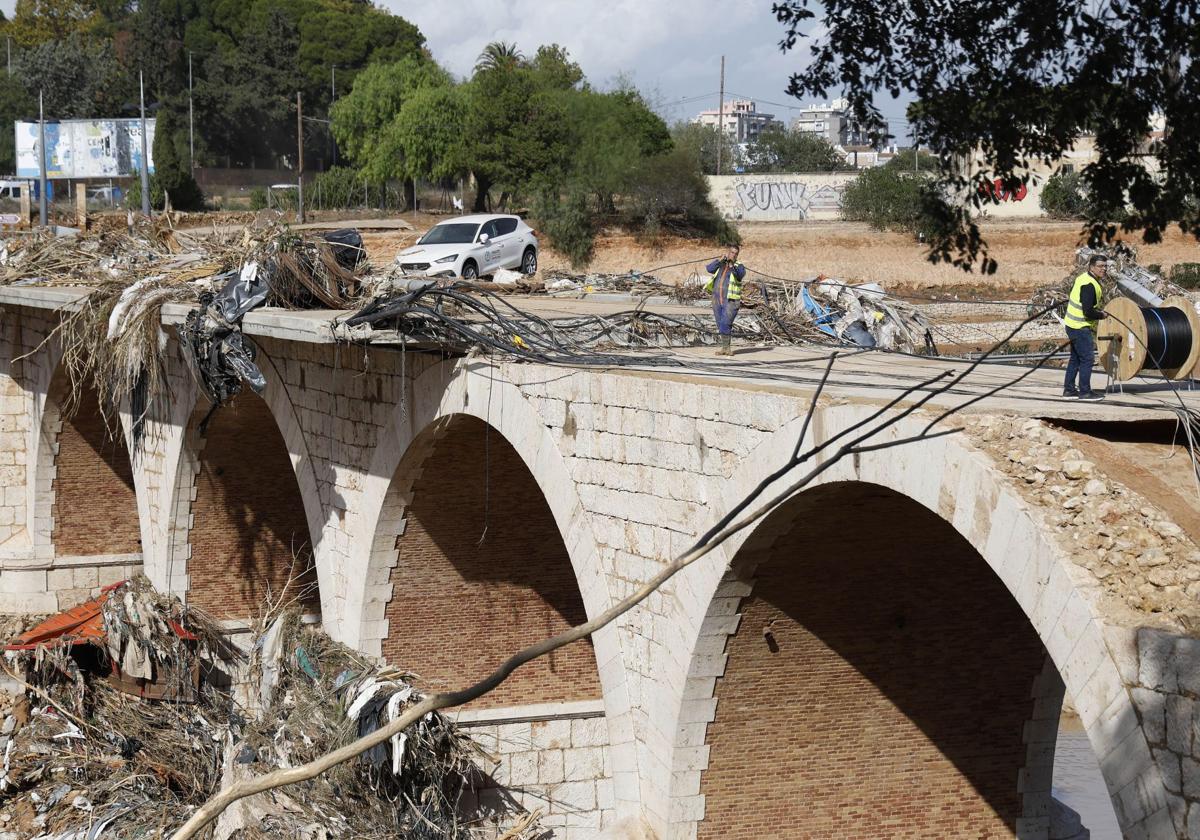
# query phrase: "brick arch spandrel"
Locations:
[[951, 478]]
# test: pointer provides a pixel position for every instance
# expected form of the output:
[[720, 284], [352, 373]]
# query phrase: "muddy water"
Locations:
[[1078, 784]]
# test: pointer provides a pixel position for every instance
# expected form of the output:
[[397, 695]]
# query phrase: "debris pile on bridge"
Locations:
[[113, 339], [135, 710], [467, 318]]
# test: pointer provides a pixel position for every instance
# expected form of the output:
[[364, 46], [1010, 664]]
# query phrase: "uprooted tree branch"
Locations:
[[858, 438]]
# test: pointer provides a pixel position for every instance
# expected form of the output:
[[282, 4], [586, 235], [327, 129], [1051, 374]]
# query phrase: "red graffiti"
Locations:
[[997, 189]]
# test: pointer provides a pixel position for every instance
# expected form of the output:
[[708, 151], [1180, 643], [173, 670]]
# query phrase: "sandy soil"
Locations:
[[1030, 254]]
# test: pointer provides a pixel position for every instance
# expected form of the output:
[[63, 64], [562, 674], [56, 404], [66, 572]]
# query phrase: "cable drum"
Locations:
[[1163, 339]]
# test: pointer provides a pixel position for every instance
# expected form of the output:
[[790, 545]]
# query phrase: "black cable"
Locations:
[[1168, 338]]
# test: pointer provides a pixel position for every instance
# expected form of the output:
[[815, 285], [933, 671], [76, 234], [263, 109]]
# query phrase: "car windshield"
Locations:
[[449, 234]]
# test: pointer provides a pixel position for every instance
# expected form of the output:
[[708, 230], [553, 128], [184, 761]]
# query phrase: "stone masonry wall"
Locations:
[[634, 466], [561, 765]]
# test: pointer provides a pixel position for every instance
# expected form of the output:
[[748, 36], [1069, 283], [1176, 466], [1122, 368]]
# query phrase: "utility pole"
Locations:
[[299, 159], [191, 118], [332, 97], [8, 43], [41, 161], [721, 117], [145, 150]]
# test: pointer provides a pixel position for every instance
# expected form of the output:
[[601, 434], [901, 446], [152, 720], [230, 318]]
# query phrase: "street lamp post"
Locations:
[[145, 151], [42, 210]]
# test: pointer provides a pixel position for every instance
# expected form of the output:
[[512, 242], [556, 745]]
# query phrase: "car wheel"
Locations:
[[470, 271], [529, 262]]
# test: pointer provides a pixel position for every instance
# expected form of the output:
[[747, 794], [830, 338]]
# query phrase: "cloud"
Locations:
[[672, 46]]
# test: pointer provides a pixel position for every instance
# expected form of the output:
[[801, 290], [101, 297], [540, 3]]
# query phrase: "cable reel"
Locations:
[[1153, 339]]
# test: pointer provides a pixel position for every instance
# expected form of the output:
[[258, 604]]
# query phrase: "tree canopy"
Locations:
[[1010, 84], [779, 150], [249, 57]]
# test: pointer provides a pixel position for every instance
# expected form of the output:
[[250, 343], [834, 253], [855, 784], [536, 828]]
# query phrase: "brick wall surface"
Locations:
[[819, 734], [95, 504], [248, 517], [483, 571]]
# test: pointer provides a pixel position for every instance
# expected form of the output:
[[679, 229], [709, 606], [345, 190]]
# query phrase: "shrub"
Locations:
[[888, 198], [1064, 196], [567, 223], [1186, 275], [670, 194], [258, 198]]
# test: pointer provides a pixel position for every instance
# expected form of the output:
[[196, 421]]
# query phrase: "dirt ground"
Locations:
[[1030, 254]]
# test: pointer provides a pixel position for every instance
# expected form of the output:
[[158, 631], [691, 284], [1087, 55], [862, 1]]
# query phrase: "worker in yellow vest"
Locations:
[[725, 286], [1083, 312]]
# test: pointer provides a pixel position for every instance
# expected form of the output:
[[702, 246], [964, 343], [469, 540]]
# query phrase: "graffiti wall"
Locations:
[[797, 198], [779, 198]]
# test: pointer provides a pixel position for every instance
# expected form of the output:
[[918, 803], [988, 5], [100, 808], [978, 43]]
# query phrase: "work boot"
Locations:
[[724, 351]]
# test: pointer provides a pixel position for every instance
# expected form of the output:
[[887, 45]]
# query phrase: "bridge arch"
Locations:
[[243, 511], [459, 395], [943, 498]]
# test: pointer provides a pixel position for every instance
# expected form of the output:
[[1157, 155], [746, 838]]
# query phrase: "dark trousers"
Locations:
[[1083, 355], [725, 311]]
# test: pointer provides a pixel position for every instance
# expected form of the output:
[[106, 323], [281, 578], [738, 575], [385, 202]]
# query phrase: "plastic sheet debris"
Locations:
[[861, 315]]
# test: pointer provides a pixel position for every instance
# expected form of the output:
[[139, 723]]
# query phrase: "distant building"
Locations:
[[833, 123], [743, 122]]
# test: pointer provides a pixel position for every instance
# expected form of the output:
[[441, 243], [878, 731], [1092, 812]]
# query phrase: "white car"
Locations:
[[472, 246]]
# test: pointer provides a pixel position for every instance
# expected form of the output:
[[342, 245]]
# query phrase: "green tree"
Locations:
[[779, 150], [368, 123], [246, 102], [37, 22], [1010, 84], [172, 171], [702, 143], [15, 104], [555, 69], [79, 77], [613, 132], [516, 133]]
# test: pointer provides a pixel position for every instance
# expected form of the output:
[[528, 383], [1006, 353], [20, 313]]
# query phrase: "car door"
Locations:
[[510, 248], [490, 259]]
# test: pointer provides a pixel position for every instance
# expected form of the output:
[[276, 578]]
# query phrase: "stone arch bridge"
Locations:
[[885, 655]]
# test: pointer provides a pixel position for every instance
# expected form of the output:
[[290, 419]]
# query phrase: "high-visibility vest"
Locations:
[[735, 285], [1075, 319]]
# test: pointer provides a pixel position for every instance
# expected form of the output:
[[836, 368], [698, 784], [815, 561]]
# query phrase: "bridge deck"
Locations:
[[860, 376]]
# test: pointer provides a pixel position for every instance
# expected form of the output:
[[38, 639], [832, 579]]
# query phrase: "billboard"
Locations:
[[85, 148]]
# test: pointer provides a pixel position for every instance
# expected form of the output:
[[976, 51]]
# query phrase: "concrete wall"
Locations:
[[631, 469], [779, 198]]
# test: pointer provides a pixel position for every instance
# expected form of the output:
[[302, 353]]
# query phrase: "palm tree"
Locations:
[[499, 55]]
